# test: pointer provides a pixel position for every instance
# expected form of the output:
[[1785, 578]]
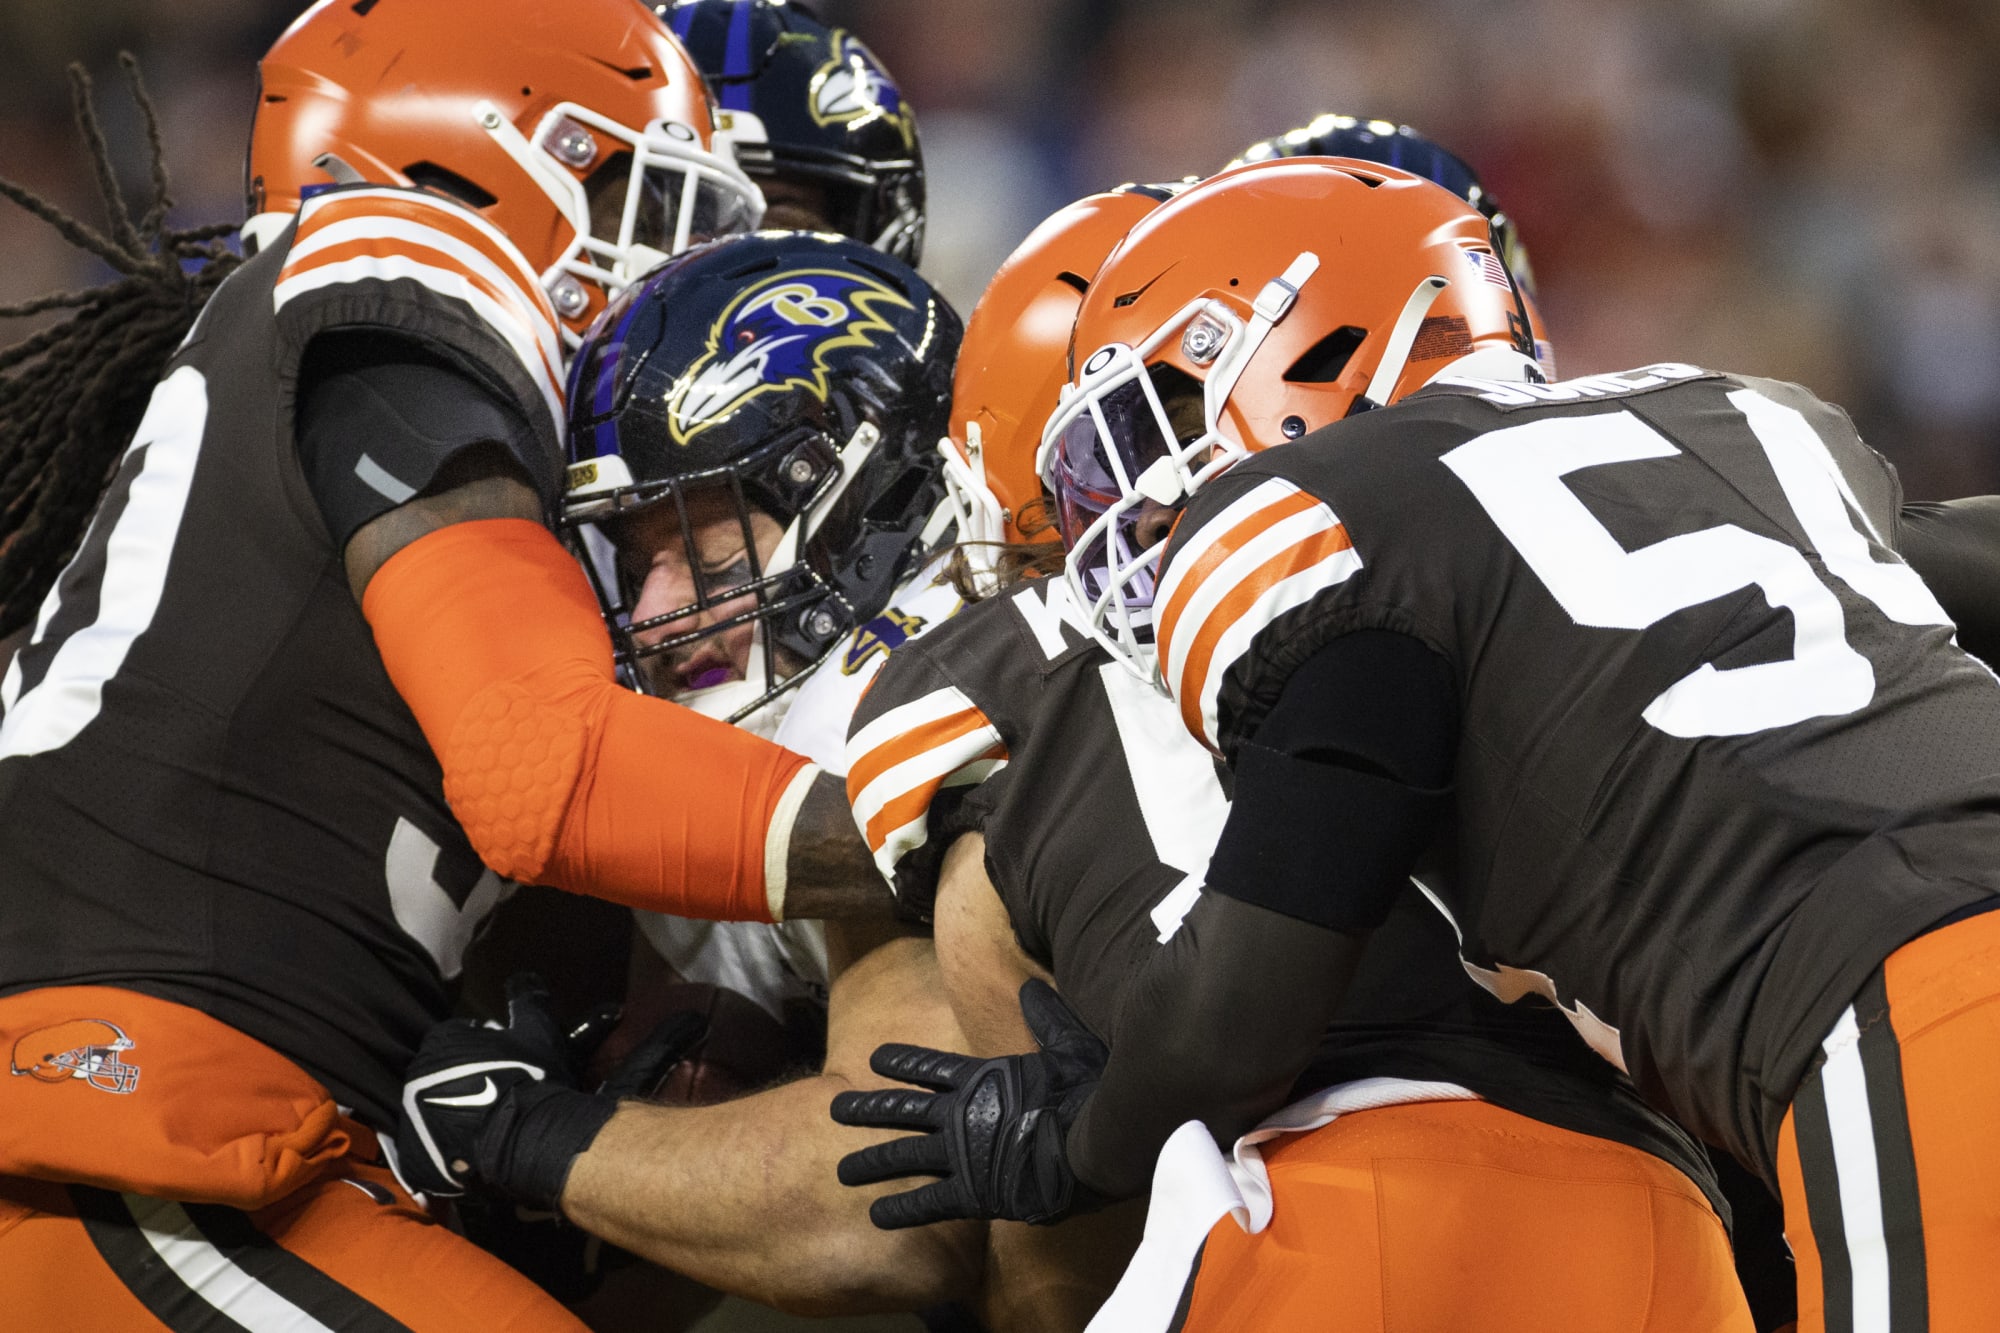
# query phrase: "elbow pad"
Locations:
[[557, 773]]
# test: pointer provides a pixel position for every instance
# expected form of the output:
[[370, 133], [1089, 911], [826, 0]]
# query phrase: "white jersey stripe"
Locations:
[[524, 273], [1292, 591], [1857, 1173], [1244, 561], [211, 1274], [932, 707], [342, 231], [963, 760], [1239, 564], [935, 767], [1263, 494], [505, 323]]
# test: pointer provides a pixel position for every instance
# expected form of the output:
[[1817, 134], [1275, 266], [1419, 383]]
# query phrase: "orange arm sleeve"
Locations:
[[557, 773]]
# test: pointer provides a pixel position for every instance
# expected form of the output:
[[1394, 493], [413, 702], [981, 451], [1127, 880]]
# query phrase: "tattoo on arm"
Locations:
[[481, 482], [828, 872]]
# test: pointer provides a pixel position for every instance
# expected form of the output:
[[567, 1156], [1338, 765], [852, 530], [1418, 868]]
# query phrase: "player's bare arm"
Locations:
[[828, 871], [672, 1184]]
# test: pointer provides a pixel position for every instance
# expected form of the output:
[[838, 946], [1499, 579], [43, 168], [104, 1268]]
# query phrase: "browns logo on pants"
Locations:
[[1459, 1215], [160, 1170], [1887, 1161]]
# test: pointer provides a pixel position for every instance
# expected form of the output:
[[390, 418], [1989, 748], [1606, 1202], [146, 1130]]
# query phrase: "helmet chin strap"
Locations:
[[801, 529], [852, 455], [1402, 337]]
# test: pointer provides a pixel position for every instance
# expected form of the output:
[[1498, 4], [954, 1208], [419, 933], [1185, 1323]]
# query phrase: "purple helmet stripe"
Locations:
[[736, 69], [604, 436]]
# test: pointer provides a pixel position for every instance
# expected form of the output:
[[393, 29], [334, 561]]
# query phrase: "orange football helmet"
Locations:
[[1400, 146], [1278, 297], [85, 1048], [1014, 360], [582, 130]]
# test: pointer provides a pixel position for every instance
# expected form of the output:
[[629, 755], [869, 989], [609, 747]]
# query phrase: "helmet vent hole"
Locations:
[[1082, 284], [362, 7], [636, 73], [760, 266], [1324, 360], [446, 181]]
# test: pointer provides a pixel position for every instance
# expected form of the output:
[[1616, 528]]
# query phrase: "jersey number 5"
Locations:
[[1517, 475]]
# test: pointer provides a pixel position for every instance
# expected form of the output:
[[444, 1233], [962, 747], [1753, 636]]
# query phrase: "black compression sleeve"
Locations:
[[1342, 784], [379, 415], [1215, 1026], [1954, 545]]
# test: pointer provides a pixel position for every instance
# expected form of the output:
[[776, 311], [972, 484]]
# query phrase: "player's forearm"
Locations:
[[829, 873], [742, 1196], [1216, 1027]]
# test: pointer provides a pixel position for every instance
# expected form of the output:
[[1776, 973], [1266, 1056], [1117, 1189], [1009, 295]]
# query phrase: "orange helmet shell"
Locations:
[[1378, 232], [391, 85], [1015, 357]]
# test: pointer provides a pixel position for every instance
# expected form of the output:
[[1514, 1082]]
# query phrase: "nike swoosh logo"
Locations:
[[486, 1096]]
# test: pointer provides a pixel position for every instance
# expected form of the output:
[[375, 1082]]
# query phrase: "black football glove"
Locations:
[[497, 1108], [993, 1129]]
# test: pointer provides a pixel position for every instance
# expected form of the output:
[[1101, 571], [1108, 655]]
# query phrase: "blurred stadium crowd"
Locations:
[[1808, 189]]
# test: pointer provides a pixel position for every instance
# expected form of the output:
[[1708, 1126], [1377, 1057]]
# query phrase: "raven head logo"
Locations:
[[777, 335], [853, 89]]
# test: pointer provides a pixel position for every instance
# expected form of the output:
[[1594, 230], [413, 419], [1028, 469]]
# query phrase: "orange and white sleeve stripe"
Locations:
[[382, 235], [898, 763], [1274, 548]]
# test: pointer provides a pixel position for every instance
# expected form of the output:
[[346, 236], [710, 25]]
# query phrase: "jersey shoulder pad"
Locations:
[[1250, 548], [428, 267], [916, 736]]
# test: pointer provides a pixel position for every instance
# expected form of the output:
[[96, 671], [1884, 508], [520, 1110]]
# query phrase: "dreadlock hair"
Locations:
[[72, 395]]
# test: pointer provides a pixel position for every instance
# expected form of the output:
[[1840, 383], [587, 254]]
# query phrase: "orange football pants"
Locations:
[[1443, 1216], [1889, 1160], [162, 1171], [351, 1252]]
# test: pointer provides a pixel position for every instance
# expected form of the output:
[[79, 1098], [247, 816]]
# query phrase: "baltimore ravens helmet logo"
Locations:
[[777, 335], [852, 89]]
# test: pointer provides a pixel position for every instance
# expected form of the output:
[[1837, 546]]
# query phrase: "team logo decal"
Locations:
[[775, 336], [882, 635], [85, 1048], [852, 90]]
